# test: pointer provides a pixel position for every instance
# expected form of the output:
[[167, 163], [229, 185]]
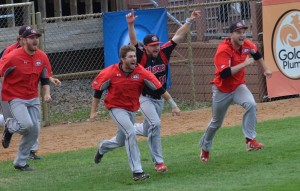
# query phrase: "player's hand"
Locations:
[[194, 15], [130, 18], [175, 111], [248, 61], [268, 73], [47, 98], [93, 116], [55, 81]]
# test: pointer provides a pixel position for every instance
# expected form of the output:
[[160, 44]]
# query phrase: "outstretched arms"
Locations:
[[178, 37]]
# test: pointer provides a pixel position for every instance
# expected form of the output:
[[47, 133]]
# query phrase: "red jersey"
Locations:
[[11, 48], [22, 81], [14, 46], [124, 91], [228, 56]]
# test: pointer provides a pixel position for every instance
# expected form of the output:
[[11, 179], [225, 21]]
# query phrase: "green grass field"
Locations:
[[277, 167]]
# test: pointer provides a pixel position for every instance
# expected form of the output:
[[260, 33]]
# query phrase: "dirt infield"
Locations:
[[60, 138]]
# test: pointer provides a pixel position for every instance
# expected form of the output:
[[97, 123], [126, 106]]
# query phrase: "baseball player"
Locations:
[[155, 58], [55, 81], [125, 82], [231, 59], [22, 70]]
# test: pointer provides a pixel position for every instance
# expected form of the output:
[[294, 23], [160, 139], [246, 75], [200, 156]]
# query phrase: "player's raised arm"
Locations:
[[181, 32], [130, 18]]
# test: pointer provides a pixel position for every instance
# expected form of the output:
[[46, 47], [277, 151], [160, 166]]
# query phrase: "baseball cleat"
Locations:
[[24, 168], [204, 156], [6, 137], [254, 145], [140, 176], [33, 156], [161, 167], [98, 157]]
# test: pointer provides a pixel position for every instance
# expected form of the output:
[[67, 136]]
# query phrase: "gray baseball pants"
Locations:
[[151, 110], [220, 103], [5, 104], [25, 121], [126, 135]]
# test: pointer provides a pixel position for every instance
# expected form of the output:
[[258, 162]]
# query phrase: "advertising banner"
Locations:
[[281, 38]]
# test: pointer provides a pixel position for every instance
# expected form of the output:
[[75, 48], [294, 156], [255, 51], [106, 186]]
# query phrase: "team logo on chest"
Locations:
[[246, 51], [38, 63], [135, 76]]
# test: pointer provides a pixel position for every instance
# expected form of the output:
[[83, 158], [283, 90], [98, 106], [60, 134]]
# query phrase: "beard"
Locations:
[[32, 48], [154, 54]]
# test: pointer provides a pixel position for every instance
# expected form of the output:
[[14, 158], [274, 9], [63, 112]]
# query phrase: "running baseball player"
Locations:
[[22, 70], [231, 59], [125, 82], [55, 81], [155, 58]]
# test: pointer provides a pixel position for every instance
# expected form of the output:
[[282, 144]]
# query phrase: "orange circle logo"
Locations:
[[286, 44]]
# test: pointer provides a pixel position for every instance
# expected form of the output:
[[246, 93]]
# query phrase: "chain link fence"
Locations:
[[74, 45], [12, 17]]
